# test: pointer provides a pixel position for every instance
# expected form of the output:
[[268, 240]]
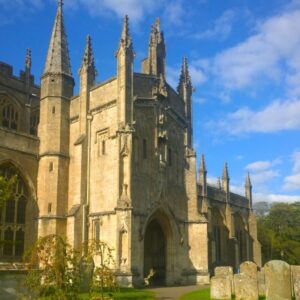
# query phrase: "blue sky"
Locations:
[[244, 58]]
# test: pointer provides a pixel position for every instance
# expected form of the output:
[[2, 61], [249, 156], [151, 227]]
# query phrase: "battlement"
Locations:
[[7, 71], [218, 194]]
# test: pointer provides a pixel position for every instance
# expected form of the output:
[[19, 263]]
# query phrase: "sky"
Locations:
[[244, 60]]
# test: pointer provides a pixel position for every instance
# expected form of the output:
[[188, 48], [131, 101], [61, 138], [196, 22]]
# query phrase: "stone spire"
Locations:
[[88, 61], [185, 91], [58, 60], [126, 41], [184, 81], [225, 171], [202, 167], [28, 60], [248, 190], [125, 57], [225, 179], [155, 63]]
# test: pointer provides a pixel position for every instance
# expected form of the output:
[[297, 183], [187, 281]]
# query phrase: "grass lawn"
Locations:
[[202, 295], [124, 294], [197, 295]]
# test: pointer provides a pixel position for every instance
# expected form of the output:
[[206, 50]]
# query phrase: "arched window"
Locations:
[[8, 242], [13, 217], [19, 243], [9, 114]]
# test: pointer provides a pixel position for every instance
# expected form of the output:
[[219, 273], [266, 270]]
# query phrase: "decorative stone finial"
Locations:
[[28, 59]]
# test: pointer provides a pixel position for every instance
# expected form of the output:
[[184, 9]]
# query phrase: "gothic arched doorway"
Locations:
[[155, 248]]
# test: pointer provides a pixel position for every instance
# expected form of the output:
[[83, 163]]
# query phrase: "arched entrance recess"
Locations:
[[158, 248]]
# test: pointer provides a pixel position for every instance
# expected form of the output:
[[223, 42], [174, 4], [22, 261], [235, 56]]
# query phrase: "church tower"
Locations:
[[56, 90]]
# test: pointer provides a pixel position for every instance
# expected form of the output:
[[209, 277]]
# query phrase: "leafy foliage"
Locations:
[[7, 186], [53, 269], [104, 279], [279, 233]]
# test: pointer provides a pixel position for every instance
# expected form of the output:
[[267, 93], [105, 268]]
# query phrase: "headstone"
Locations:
[[245, 287], [261, 282], [278, 280], [225, 272], [295, 272], [220, 287], [249, 268]]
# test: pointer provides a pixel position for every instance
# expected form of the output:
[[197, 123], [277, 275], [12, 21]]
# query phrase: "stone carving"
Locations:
[[245, 287], [278, 280], [220, 287]]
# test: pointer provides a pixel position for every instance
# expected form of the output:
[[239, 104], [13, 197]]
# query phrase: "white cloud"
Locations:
[[263, 172], [262, 165], [278, 116], [222, 27], [258, 197], [270, 53], [292, 182]]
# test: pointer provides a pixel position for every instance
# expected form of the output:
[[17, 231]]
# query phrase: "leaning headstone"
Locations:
[[295, 272], [245, 287], [249, 269], [261, 282], [220, 287], [278, 280]]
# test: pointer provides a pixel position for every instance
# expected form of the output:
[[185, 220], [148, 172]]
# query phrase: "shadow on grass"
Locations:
[[123, 294]]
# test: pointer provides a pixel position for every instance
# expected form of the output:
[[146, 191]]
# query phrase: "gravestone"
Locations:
[[295, 272], [225, 272], [220, 287], [245, 287], [278, 280], [261, 282], [249, 269]]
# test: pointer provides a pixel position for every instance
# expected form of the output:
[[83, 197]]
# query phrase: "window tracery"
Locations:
[[9, 116], [13, 217]]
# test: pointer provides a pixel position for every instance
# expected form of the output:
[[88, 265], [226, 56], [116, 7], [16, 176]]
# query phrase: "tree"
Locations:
[[279, 233], [104, 278], [53, 269]]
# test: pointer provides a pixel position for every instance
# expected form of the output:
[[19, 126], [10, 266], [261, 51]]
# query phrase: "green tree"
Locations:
[[7, 187], [104, 279], [53, 269], [279, 233]]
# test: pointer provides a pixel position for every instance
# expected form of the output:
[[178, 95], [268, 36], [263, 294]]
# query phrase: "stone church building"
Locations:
[[116, 163]]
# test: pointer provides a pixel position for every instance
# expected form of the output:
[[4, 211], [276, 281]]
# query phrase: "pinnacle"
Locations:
[[202, 167], [125, 37], [225, 171], [184, 78], [58, 60], [28, 59], [88, 57], [248, 180]]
